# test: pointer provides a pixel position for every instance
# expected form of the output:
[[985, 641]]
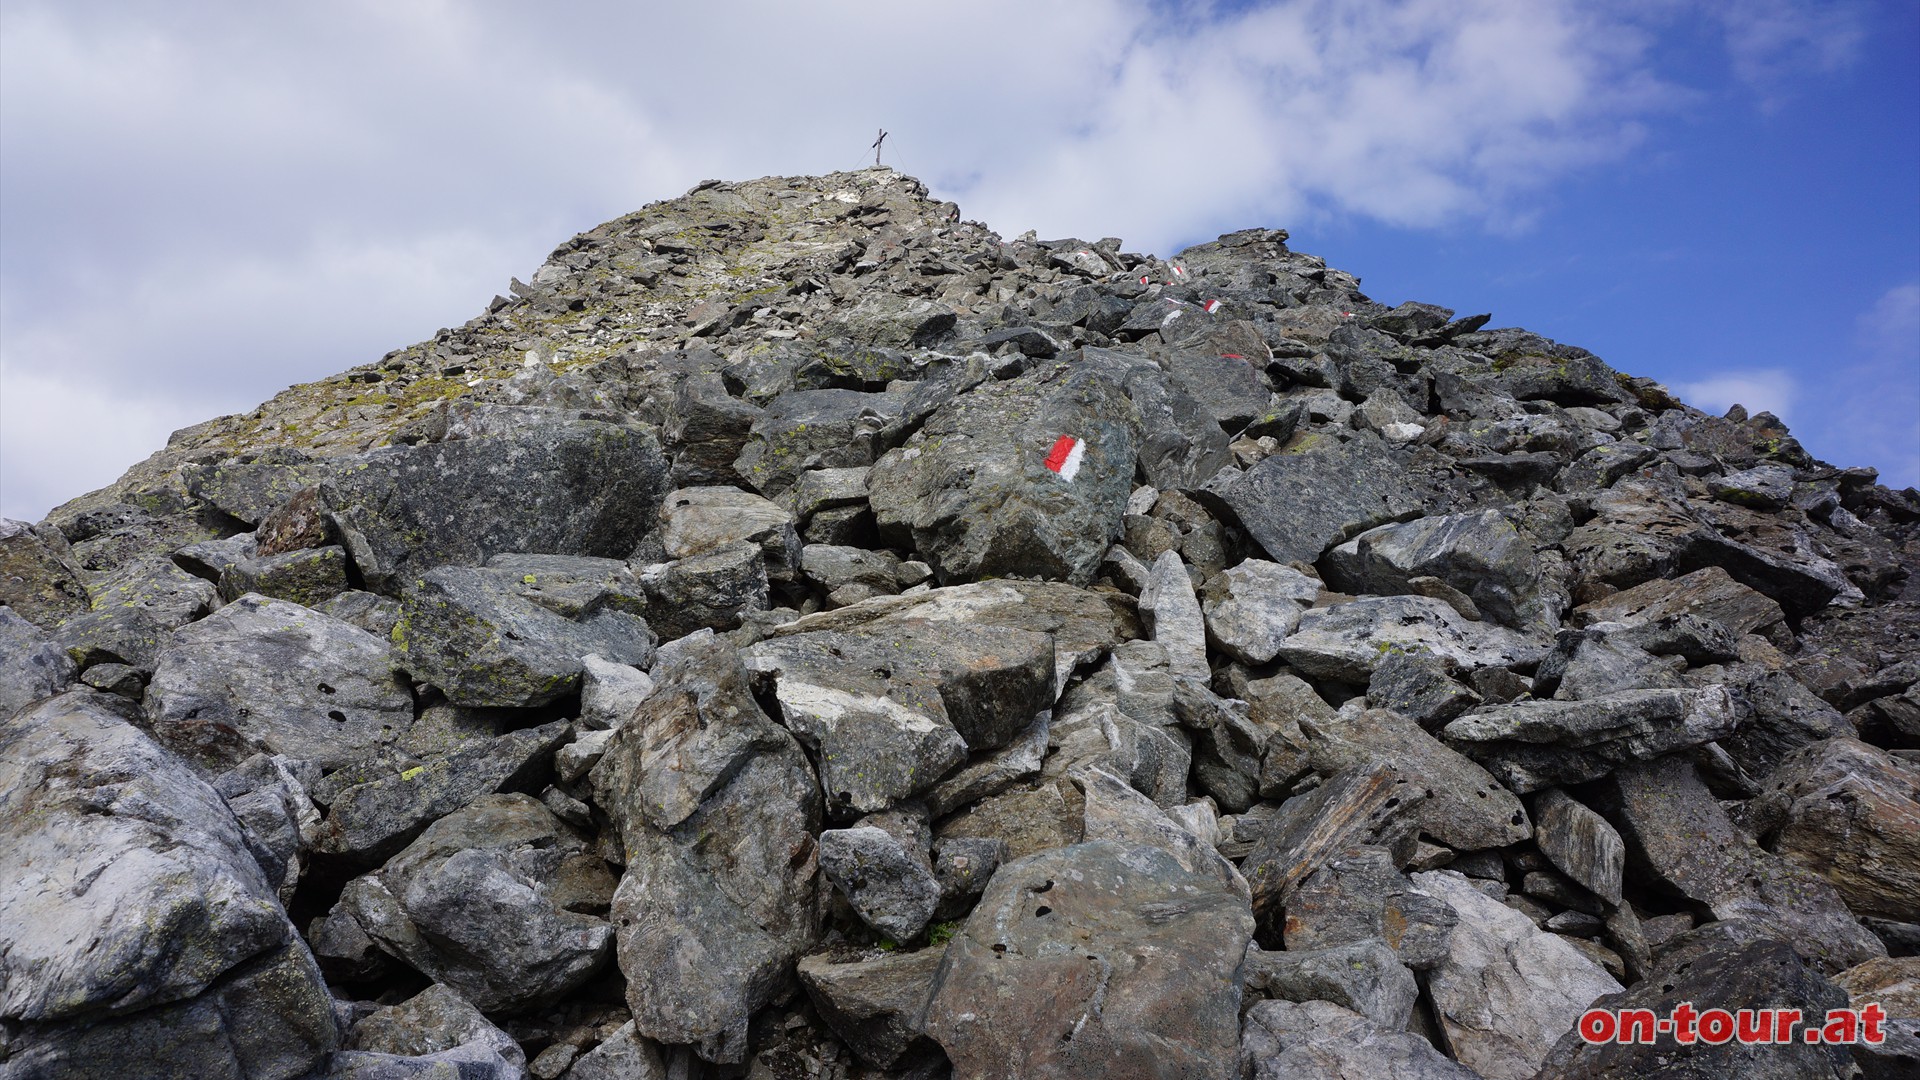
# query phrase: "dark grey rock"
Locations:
[[370, 821], [1580, 843], [715, 590], [1675, 828], [1464, 807], [309, 576], [874, 1004], [434, 1020], [1733, 968], [371, 612], [803, 430], [1316, 493], [270, 675], [1480, 554], [134, 608], [1506, 990], [1095, 958], [1356, 807], [544, 483], [888, 884], [32, 668], [1347, 641], [470, 633], [1252, 607], [1365, 976], [487, 901], [706, 429], [1418, 687], [1530, 745], [1849, 812], [697, 521], [1358, 896], [971, 493], [39, 578]]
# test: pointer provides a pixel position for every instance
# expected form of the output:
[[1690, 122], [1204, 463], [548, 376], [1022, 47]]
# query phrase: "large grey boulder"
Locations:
[[1347, 641], [972, 491], [134, 608], [1102, 958], [803, 430], [370, 821], [1465, 807], [1285, 1040], [538, 481], [1181, 442], [470, 633], [434, 1020], [1680, 833], [32, 667], [270, 676], [1360, 806], [1316, 493], [1083, 623], [1506, 990], [39, 578], [875, 1004], [138, 935], [1531, 745], [1480, 554], [1849, 812], [1365, 976], [492, 900], [1252, 607], [892, 710], [1732, 966], [1358, 896]]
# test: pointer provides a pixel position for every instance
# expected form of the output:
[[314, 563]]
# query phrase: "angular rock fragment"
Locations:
[[1676, 829], [1580, 843], [543, 483], [1463, 807], [1251, 608], [875, 1005], [1418, 687], [471, 634], [696, 521], [270, 675], [1708, 593], [370, 821], [712, 591], [1357, 896], [488, 901], [1315, 494], [39, 578], [1173, 611], [1480, 554], [1725, 966], [1530, 745], [1354, 807], [1284, 1040], [890, 886], [1506, 991], [1849, 812], [32, 668], [190, 966], [1365, 976], [434, 1020], [1024, 478], [133, 609], [1094, 958], [1348, 640]]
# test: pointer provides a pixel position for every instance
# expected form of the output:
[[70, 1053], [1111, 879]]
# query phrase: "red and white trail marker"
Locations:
[[1231, 356], [1065, 456], [1213, 306]]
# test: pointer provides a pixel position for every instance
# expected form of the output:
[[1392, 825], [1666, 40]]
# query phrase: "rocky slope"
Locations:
[[802, 634]]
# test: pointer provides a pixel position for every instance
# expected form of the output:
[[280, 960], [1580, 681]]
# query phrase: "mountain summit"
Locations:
[[799, 633]]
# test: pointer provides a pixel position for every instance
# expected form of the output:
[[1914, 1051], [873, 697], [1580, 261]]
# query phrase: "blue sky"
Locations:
[[201, 203]]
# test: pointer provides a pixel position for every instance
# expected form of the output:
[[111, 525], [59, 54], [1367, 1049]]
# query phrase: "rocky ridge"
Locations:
[[800, 633]]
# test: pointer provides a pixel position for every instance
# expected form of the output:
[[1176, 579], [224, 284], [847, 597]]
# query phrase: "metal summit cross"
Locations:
[[876, 147]]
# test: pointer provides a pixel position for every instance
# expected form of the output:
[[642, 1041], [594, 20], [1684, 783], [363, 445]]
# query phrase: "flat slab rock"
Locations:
[[1099, 959], [1531, 745], [1285, 1040], [1347, 641]]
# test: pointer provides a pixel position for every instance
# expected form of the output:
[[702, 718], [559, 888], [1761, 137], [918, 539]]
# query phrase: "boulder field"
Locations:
[[802, 635]]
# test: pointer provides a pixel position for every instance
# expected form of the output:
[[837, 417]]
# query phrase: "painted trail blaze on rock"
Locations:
[[1065, 456]]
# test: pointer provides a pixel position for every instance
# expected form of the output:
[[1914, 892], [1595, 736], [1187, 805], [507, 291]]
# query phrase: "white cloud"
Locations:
[[1758, 390], [206, 201], [1773, 41]]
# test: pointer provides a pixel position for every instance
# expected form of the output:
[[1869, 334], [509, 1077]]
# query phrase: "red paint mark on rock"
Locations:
[[1065, 456]]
